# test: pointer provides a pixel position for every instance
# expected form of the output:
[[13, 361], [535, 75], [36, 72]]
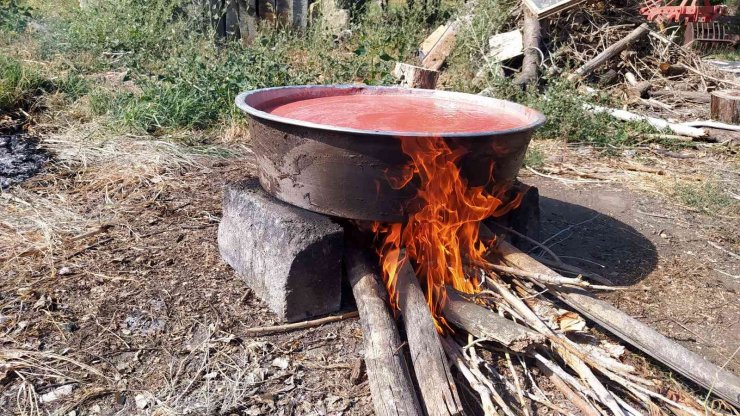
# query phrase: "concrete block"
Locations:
[[290, 257]]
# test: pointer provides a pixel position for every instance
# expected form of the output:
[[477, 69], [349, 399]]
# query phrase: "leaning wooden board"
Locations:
[[544, 8]]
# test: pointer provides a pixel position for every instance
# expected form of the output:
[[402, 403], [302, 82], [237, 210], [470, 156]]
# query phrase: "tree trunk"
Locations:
[[725, 106], [532, 54]]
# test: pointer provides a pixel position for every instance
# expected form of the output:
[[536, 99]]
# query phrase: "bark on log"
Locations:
[[532, 54], [725, 106], [693, 96], [484, 323], [641, 89], [387, 372], [610, 52], [719, 381], [437, 387], [415, 77]]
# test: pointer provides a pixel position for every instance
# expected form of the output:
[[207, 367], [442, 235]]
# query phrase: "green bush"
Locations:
[[14, 16]]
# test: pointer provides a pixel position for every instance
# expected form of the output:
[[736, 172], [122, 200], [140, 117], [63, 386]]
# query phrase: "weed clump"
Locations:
[[186, 79], [18, 83], [708, 197]]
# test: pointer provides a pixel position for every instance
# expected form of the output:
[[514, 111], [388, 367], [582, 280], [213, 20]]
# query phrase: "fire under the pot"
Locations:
[[449, 184]]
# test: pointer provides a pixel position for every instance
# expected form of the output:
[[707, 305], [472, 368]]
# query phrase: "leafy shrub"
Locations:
[[14, 16]]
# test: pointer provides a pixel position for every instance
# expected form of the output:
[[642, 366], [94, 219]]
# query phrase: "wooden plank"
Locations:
[[431, 41], [438, 391], [442, 46], [503, 46]]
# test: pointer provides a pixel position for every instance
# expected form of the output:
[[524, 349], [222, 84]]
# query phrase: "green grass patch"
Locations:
[[708, 197], [18, 83], [535, 158], [188, 80]]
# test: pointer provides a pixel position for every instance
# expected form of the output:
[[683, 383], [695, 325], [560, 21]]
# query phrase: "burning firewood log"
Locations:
[[433, 376], [387, 372], [483, 323]]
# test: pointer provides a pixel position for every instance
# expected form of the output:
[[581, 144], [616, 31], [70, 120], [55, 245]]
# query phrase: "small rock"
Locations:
[[56, 394], [142, 401], [64, 271], [281, 363]]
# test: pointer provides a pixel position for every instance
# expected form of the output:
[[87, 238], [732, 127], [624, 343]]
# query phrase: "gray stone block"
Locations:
[[290, 257]]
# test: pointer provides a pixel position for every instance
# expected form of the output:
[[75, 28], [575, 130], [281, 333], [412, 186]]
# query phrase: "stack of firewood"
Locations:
[[485, 361]]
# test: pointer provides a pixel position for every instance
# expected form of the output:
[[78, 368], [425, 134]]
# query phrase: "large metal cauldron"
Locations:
[[344, 172]]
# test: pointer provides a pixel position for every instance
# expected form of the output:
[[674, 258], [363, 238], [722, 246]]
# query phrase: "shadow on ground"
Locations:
[[596, 241]]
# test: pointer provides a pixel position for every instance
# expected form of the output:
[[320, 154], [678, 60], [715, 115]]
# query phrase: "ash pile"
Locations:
[[20, 156]]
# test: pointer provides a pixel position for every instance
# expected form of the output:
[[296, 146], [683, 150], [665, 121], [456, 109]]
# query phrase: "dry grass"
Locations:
[[38, 219]]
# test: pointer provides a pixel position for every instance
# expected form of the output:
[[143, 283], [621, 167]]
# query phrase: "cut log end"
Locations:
[[415, 77], [725, 106]]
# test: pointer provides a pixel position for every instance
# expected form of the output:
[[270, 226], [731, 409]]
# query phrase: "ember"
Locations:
[[444, 232]]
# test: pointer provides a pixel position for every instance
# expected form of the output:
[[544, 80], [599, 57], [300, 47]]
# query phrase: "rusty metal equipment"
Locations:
[[344, 172], [664, 11], [721, 34]]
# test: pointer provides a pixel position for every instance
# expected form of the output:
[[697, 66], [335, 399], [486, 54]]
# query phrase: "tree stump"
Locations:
[[415, 76], [725, 106]]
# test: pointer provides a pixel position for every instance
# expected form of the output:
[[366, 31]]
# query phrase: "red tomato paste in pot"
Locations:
[[399, 113]]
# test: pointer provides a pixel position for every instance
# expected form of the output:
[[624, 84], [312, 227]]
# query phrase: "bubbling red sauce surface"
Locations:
[[399, 113]]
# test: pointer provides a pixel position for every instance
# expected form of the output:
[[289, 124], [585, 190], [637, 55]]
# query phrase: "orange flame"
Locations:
[[443, 231]]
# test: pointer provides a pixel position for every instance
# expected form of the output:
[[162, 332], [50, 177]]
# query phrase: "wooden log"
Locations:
[[437, 387], [610, 52], [719, 381], [670, 70], [693, 96], [641, 89], [532, 54], [725, 106], [415, 77], [658, 123], [387, 372], [484, 323]]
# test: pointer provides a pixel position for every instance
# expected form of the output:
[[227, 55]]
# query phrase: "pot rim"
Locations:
[[534, 117]]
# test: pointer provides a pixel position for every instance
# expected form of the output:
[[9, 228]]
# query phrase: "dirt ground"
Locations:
[[114, 299]]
